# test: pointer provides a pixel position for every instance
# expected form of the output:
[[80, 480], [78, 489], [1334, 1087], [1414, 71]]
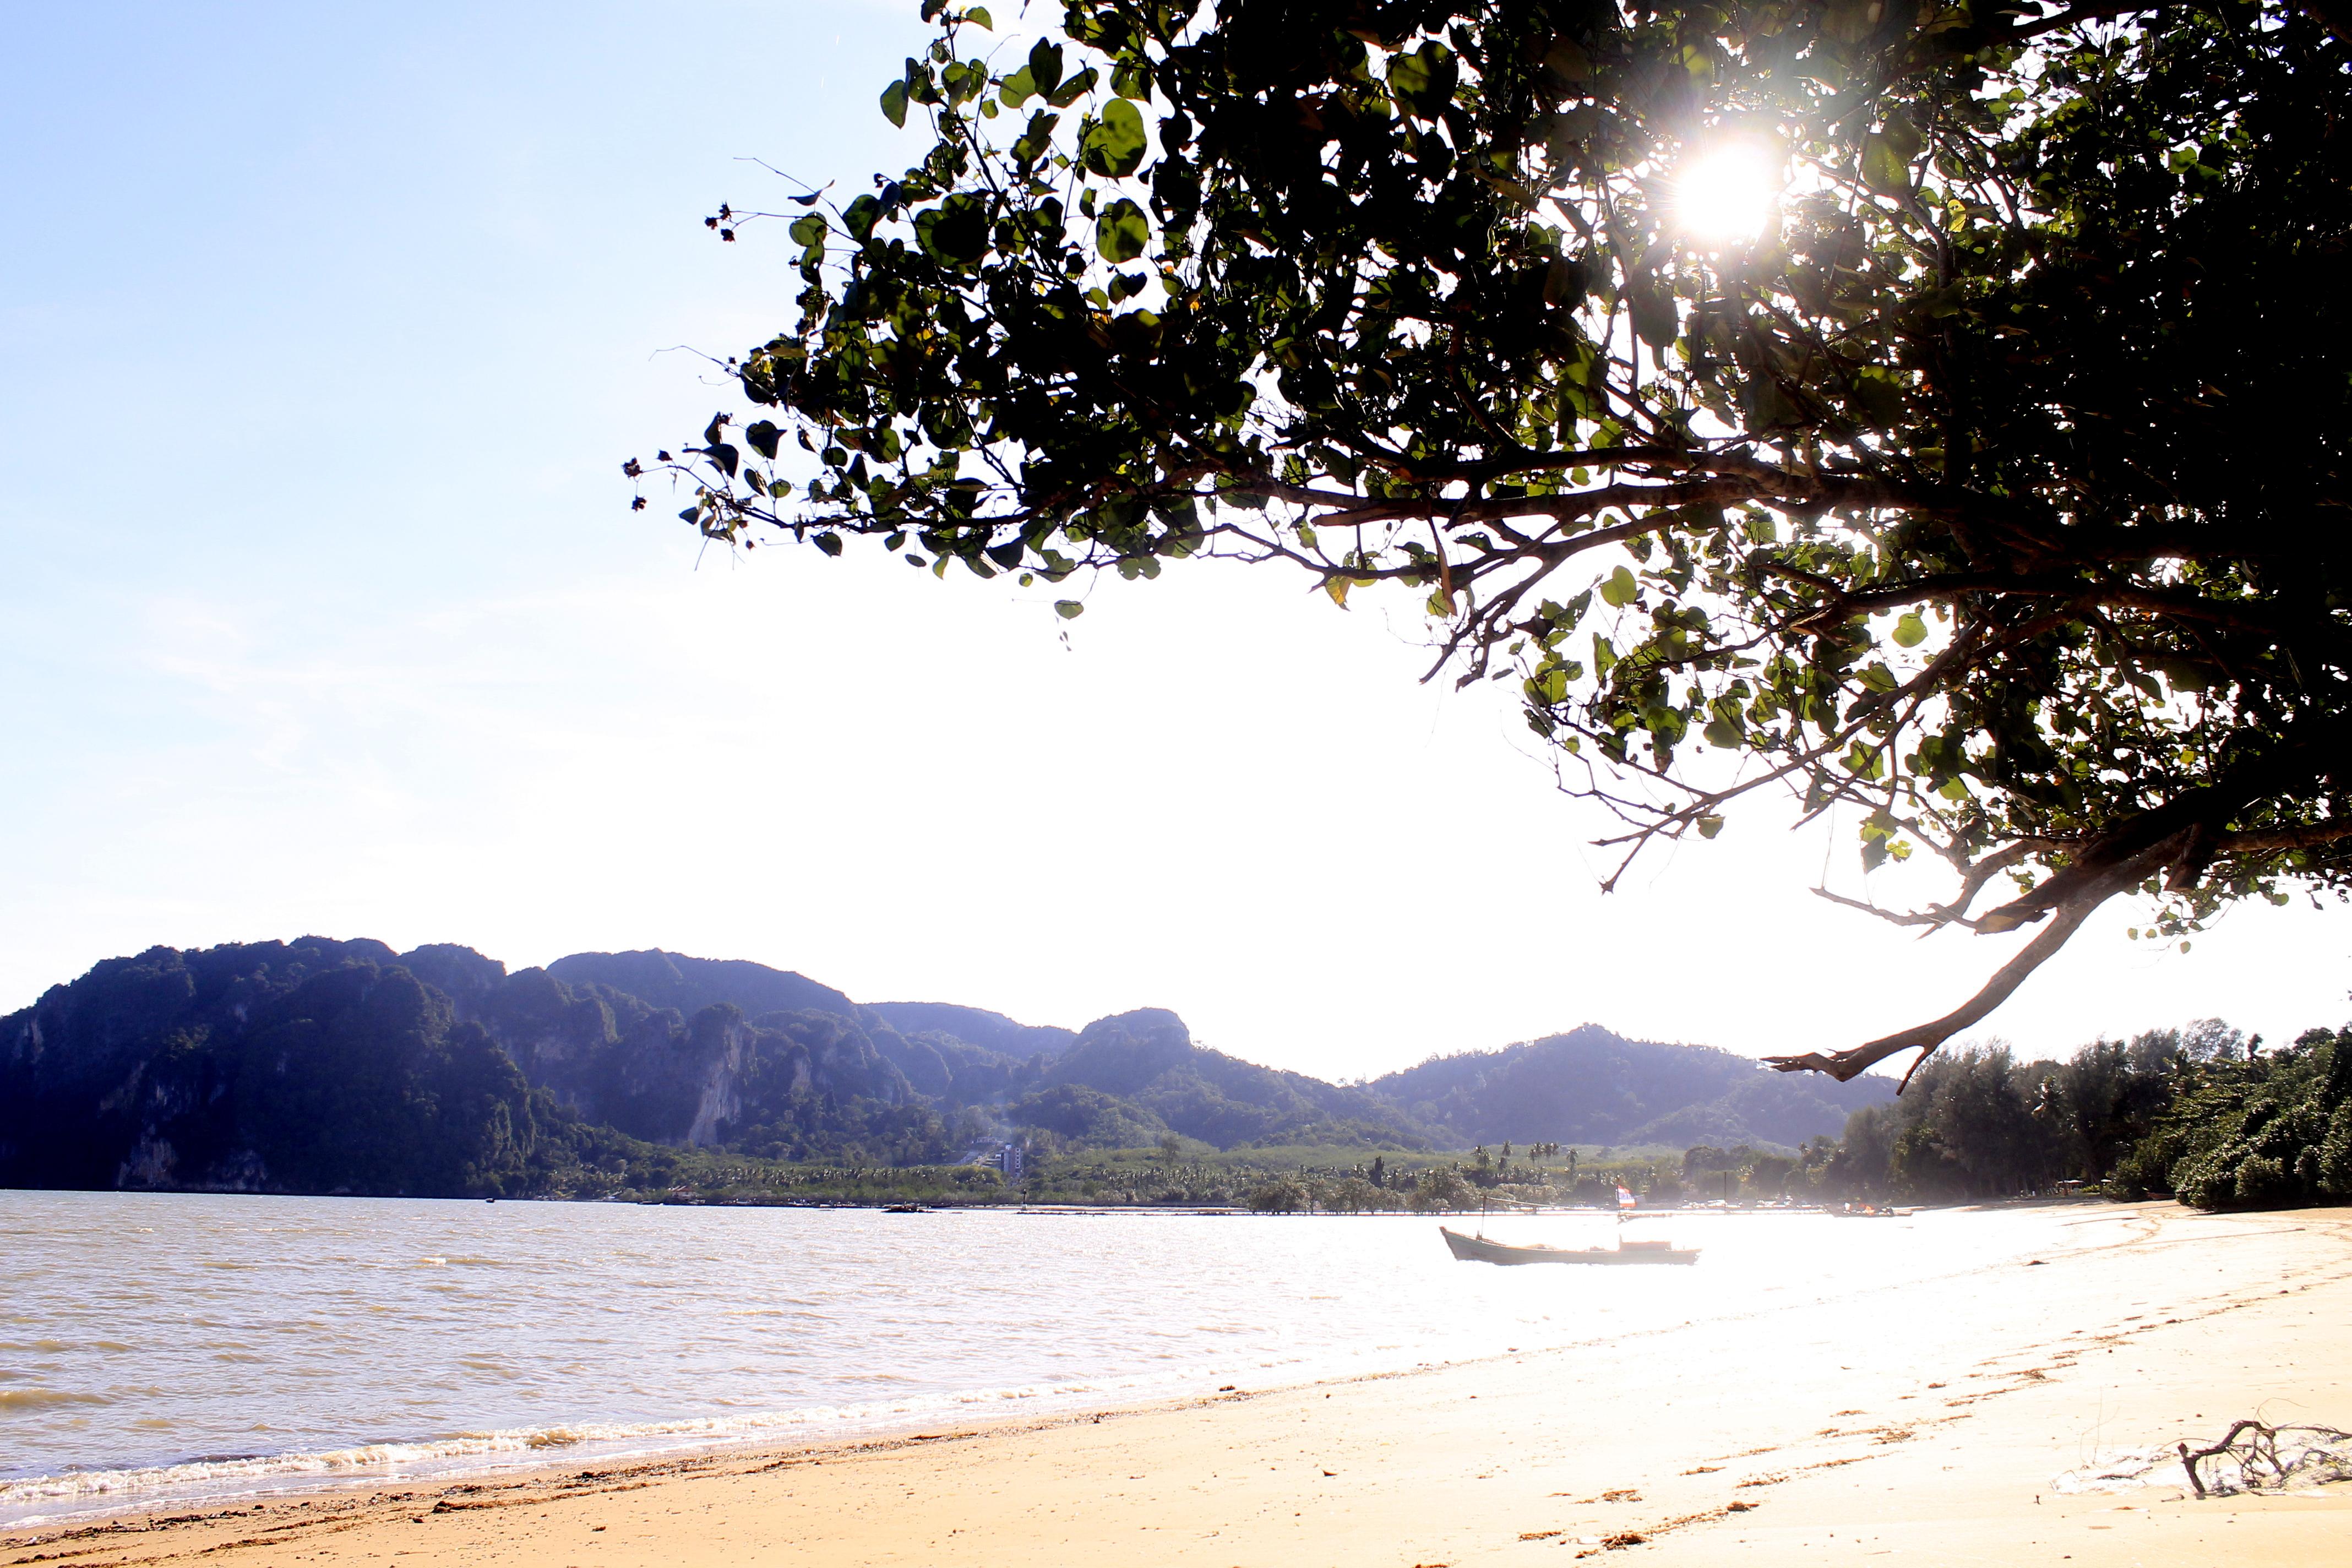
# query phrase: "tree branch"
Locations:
[[2309, 836], [1924, 1037]]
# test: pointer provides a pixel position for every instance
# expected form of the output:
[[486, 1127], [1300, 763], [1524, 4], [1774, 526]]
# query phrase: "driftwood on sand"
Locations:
[[2255, 1446]]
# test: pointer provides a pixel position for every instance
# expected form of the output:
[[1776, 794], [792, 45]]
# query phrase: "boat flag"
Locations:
[[1626, 1200]]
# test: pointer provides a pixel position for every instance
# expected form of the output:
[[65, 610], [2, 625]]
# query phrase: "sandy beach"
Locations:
[[1929, 1420]]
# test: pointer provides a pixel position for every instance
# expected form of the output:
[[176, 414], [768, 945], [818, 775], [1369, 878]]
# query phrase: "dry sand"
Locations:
[[1927, 1421]]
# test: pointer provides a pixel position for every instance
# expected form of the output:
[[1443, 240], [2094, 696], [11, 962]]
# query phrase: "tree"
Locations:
[[1938, 411], [1980, 1118], [2109, 1095], [1440, 1188], [2253, 1131]]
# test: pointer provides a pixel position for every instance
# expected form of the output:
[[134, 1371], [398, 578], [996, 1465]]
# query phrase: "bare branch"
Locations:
[[1933, 918]]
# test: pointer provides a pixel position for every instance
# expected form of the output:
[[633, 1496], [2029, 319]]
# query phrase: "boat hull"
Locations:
[[1478, 1249]]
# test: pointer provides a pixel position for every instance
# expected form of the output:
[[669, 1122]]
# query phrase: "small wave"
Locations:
[[37, 1399], [40, 1500], [483, 1363]]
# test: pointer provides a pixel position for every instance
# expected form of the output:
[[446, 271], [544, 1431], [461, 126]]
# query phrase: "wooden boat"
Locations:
[[1478, 1249]]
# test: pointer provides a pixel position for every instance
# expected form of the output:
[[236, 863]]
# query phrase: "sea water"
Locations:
[[167, 1348]]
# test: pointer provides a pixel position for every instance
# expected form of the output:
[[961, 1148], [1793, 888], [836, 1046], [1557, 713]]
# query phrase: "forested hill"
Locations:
[[327, 1066], [691, 985], [1591, 1086]]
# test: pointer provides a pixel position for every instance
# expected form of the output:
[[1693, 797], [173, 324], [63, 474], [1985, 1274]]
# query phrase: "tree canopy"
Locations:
[[1939, 411]]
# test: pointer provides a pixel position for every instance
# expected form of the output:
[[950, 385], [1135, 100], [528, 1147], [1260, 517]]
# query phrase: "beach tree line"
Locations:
[[2206, 1114]]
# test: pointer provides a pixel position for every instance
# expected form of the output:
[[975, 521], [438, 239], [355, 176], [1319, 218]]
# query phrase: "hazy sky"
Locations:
[[323, 332]]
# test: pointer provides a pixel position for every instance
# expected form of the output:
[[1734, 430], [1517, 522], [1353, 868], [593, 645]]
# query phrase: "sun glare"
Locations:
[[1727, 192]]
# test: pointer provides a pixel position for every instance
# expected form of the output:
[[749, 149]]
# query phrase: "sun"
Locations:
[[1727, 192]]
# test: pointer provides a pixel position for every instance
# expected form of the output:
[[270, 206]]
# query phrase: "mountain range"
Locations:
[[324, 1066]]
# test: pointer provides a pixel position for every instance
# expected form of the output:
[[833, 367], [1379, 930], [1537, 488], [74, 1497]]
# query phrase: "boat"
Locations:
[[1478, 1249]]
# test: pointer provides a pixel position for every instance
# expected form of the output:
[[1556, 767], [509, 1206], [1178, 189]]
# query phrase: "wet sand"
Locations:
[[1927, 1420]]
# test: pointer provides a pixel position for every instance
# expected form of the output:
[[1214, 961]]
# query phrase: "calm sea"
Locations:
[[166, 1348]]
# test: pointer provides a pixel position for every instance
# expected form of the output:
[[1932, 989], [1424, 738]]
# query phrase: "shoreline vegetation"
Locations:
[[2043, 1407], [343, 1068]]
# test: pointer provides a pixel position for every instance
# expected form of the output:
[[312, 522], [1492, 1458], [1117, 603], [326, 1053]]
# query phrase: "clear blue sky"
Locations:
[[323, 330]]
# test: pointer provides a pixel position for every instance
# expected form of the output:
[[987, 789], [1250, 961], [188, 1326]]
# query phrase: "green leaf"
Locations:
[[1018, 89], [1068, 609], [894, 102], [808, 229], [1077, 87], [1910, 631], [1132, 78], [1113, 145], [1887, 154], [762, 434], [1423, 82], [1709, 826], [860, 217], [1045, 68], [1652, 310], [1620, 588], [955, 233], [979, 17], [1122, 231], [1034, 143]]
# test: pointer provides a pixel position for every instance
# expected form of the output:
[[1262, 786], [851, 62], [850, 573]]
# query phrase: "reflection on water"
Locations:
[[159, 1347]]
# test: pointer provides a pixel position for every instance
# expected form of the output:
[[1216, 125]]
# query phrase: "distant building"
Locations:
[[1012, 1158]]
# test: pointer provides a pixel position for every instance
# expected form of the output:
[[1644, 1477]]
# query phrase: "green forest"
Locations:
[[2203, 1113], [330, 1067]]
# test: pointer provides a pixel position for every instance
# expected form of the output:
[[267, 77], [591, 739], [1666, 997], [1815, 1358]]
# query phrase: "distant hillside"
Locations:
[[327, 1066], [691, 985], [1592, 1086], [321, 1066], [1147, 1059], [975, 1026]]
